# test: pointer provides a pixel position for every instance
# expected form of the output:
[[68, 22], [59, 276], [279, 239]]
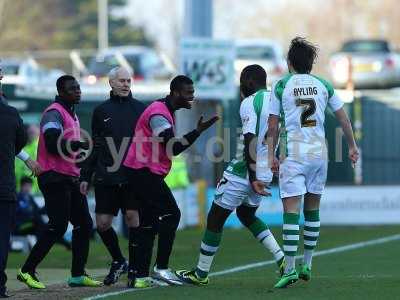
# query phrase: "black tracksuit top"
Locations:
[[114, 119], [12, 139]]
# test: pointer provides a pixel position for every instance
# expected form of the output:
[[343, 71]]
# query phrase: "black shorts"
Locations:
[[154, 196], [110, 199]]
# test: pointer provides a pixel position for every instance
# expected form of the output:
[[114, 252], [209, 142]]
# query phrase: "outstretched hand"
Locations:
[[201, 126]]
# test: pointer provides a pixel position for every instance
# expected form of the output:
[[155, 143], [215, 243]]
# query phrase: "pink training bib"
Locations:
[[71, 131], [145, 151]]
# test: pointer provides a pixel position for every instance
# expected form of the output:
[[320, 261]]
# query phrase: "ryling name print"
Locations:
[[309, 91]]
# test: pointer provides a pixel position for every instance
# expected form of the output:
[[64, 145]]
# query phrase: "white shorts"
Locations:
[[297, 178], [233, 191]]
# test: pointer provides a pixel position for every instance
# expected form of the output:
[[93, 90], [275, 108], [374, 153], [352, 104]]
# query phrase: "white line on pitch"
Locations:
[[270, 262]]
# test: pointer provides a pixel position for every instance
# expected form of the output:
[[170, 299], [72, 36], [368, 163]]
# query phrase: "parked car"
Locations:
[[26, 72], [144, 62], [266, 53], [371, 62]]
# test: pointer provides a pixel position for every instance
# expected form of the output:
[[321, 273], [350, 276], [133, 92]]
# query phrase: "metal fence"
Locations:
[[380, 140]]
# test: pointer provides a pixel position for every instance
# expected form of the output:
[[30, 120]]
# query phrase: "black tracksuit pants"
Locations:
[[158, 214], [64, 203], [7, 221]]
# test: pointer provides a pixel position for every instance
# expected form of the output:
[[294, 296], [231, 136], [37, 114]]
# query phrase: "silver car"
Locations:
[[144, 63], [27, 72], [367, 63]]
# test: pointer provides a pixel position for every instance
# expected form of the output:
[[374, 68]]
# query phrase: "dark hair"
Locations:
[[255, 73], [62, 80], [302, 55], [178, 82], [25, 179]]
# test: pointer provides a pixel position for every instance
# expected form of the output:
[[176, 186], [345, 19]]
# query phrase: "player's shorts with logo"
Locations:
[[233, 191], [298, 177]]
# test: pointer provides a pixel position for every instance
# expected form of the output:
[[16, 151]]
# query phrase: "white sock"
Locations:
[[205, 262], [269, 242], [307, 259], [290, 264]]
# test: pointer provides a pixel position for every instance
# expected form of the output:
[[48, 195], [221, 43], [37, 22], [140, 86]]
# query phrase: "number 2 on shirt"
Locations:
[[309, 108]]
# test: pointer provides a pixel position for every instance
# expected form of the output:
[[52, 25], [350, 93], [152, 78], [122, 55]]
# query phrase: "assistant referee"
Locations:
[[113, 124]]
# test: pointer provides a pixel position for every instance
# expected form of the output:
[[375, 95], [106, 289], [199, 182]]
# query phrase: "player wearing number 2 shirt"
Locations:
[[299, 100]]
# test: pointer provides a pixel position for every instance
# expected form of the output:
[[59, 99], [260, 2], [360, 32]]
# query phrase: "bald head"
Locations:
[[120, 81], [118, 72]]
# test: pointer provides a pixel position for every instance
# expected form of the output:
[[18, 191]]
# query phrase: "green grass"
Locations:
[[372, 272]]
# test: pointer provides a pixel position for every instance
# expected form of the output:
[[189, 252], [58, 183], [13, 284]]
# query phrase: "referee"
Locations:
[[113, 124]]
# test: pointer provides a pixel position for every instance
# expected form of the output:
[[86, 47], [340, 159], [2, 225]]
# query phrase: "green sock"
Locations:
[[290, 239], [311, 234]]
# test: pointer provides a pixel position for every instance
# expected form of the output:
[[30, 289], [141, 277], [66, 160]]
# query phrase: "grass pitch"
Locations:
[[368, 272]]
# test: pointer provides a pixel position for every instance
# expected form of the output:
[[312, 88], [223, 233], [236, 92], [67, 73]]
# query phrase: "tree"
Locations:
[[59, 24]]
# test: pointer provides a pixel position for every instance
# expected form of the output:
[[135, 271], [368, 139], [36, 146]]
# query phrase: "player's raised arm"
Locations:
[[181, 144]]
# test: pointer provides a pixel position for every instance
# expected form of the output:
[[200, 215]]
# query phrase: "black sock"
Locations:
[[110, 240], [80, 250], [143, 240], [39, 251], [133, 242], [166, 238]]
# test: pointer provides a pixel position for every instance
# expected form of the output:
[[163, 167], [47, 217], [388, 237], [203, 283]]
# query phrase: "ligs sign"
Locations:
[[210, 64]]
